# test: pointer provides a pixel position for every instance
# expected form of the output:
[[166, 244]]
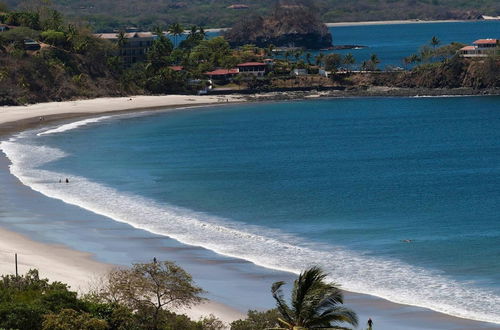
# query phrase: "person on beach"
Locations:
[[370, 324]]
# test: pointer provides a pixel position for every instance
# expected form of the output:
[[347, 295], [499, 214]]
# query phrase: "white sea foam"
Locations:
[[390, 279], [71, 126]]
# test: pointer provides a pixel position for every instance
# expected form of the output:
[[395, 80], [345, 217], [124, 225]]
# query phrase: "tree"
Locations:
[[211, 322], [374, 60], [319, 59], [176, 30], [314, 302], [257, 320], [159, 53], [69, 319], [349, 60], [122, 39], [435, 42], [308, 58], [152, 286], [332, 62]]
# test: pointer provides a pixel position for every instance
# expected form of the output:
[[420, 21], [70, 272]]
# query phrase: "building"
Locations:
[[238, 6], [481, 48], [222, 74], [4, 27], [299, 72], [135, 47], [30, 44], [256, 68]]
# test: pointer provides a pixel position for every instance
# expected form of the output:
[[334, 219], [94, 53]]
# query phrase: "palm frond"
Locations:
[[280, 301]]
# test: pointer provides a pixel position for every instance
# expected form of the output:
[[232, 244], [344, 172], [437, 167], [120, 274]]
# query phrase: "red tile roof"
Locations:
[[468, 48], [177, 67], [222, 72], [486, 41], [252, 64]]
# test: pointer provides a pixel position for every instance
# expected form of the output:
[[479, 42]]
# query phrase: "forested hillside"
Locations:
[[109, 14]]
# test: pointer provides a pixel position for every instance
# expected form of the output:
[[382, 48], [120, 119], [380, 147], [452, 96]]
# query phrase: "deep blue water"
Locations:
[[341, 183], [393, 42]]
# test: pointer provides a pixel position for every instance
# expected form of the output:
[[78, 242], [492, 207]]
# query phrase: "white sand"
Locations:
[[59, 263], [108, 104], [410, 21]]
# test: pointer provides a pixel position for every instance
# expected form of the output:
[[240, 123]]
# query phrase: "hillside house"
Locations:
[[481, 48], [136, 45], [222, 74], [256, 68]]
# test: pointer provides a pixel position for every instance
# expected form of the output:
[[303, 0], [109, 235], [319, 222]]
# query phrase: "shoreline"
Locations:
[[393, 22], [29, 119], [386, 22]]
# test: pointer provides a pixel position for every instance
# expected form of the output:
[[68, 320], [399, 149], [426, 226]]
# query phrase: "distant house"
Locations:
[[176, 68], [136, 45], [222, 74], [481, 48], [299, 72], [4, 27], [30, 44], [238, 6], [323, 73], [256, 68]]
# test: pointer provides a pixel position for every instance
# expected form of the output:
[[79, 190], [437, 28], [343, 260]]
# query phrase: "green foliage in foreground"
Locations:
[[315, 303], [257, 320], [29, 302]]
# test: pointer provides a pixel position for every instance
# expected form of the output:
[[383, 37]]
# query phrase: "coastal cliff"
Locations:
[[294, 25]]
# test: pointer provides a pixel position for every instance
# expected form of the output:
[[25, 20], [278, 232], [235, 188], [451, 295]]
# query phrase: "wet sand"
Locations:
[[49, 235]]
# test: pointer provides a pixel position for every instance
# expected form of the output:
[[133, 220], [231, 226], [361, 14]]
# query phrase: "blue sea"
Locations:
[[393, 42], [394, 197]]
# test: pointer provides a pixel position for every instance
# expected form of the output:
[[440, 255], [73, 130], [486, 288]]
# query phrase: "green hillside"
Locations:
[[109, 14]]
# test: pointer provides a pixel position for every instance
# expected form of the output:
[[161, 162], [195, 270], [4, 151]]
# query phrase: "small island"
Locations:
[[289, 25]]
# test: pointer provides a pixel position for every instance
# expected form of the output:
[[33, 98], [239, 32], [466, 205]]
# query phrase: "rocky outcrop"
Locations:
[[287, 26]]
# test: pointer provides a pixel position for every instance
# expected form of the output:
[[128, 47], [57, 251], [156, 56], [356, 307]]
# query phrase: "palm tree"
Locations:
[[319, 59], [435, 42], [193, 31], [122, 41], [349, 60], [287, 55], [314, 303], [308, 58], [374, 61], [176, 30]]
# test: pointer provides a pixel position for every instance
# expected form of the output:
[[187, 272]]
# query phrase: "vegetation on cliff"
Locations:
[[107, 14], [73, 63], [295, 24]]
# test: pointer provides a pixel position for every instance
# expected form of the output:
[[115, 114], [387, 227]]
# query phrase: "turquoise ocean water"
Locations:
[[393, 42], [395, 197]]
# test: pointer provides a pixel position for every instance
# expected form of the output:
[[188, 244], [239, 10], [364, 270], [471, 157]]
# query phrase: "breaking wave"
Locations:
[[386, 278]]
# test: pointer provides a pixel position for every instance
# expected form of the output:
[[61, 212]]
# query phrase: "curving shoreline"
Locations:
[[31, 119]]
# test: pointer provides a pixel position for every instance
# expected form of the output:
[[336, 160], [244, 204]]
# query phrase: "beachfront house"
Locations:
[[481, 48], [222, 74], [135, 46], [256, 68], [299, 72]]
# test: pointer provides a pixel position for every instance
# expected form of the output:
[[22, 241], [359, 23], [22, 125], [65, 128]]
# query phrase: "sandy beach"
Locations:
[[409, 21], [78, 267]]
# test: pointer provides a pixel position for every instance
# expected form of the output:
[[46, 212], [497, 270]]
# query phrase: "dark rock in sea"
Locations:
[[288, 26]]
